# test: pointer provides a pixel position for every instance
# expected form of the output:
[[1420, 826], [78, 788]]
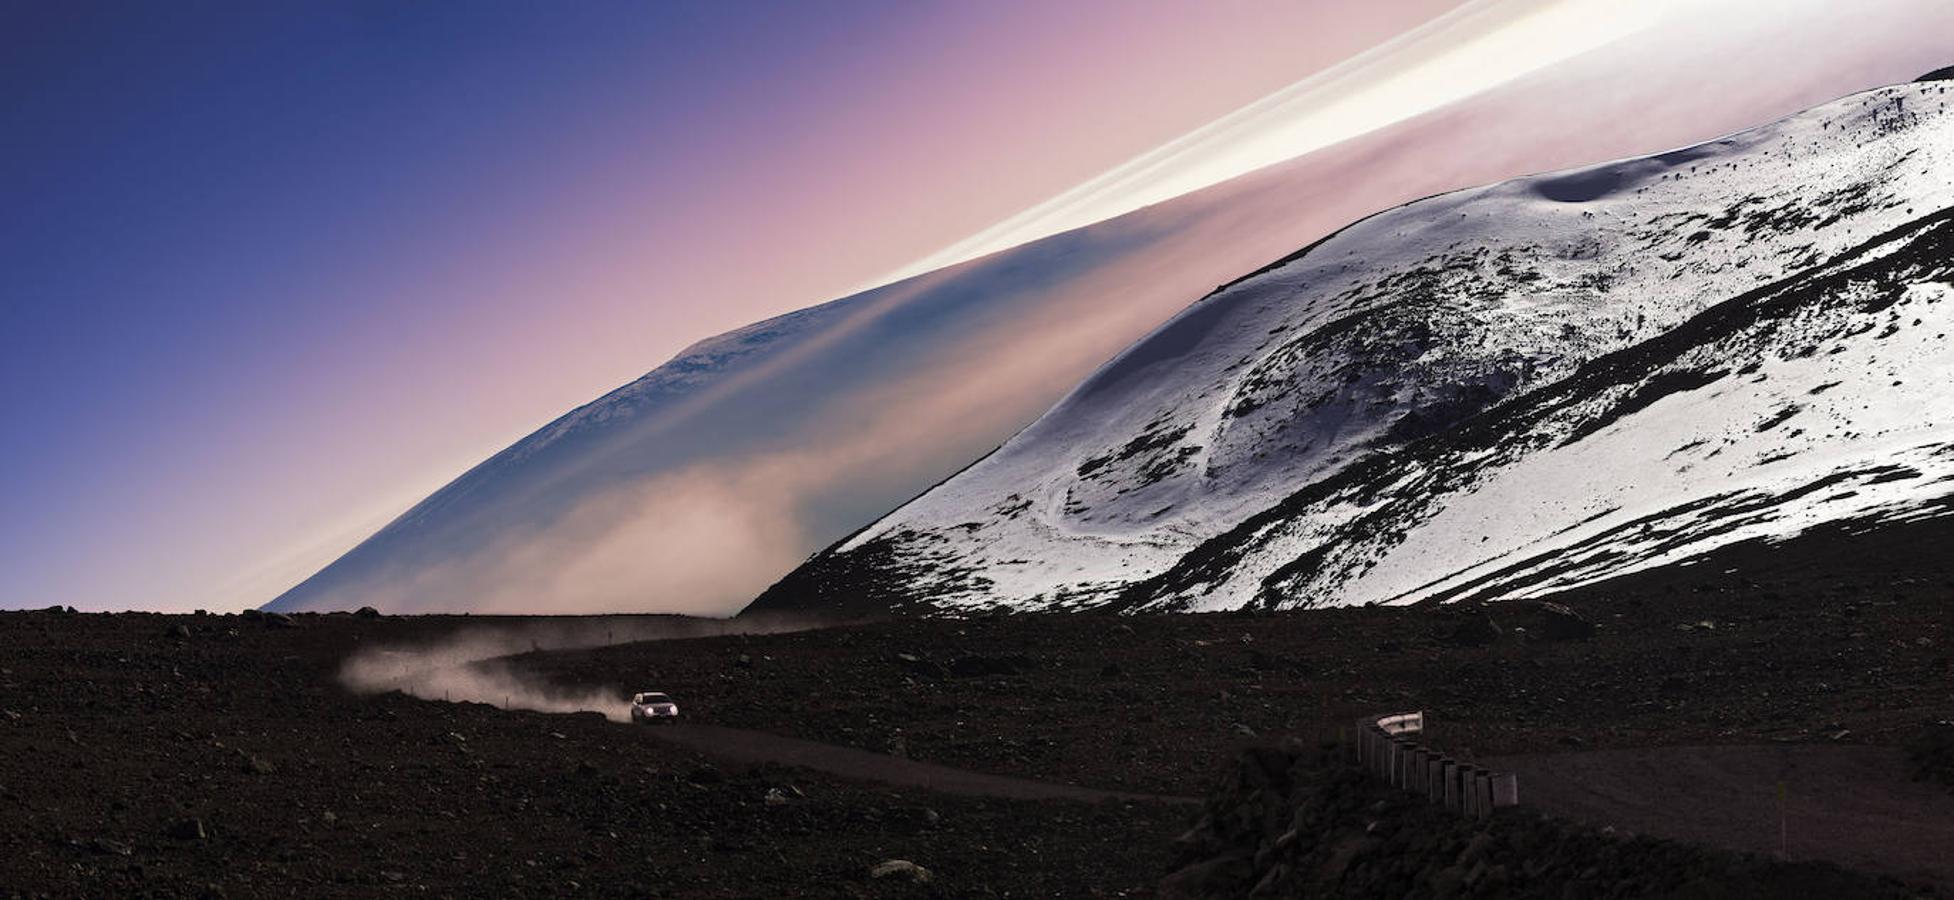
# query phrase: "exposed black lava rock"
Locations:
[[1555, 622], [975, 666], [1946, 74], [1304, 822], [1932, 753], [1476, 628]]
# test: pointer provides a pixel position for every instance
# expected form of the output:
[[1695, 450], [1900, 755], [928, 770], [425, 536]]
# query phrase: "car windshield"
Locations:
[[654, 698]]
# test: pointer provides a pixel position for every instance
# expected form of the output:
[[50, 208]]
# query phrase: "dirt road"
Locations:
[[1853, 805], [744, 746]]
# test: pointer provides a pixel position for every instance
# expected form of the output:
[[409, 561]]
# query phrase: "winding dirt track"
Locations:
[[1853, 805], [752, 747]]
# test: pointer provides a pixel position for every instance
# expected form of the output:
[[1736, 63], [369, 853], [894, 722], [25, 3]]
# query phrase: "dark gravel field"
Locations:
[[148, 755], [138, 763], [1834, 639]]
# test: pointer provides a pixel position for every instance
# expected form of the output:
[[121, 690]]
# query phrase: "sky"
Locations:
[[275, 271], [271, 275]]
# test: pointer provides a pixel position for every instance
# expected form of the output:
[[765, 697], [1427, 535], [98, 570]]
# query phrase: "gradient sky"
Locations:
[[270, 275], [271, 272]]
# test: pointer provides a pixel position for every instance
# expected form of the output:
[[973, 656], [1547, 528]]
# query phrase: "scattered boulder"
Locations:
[[1932, 753], [916, 664], [1208, 878], [985, 666], [110, 848], [255, 765], [1476, 628], [1555, 622], [180, 632], [189, 830], [280, 620], [901, 869], [1306, 822]]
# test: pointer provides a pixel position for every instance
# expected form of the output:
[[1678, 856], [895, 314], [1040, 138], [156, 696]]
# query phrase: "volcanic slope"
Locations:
[[1509, 390]]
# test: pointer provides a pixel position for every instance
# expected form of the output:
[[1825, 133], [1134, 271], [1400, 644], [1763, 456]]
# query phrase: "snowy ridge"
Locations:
[[1500, 391]]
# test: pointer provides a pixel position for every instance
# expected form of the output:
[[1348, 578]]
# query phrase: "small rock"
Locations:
[[254, 765], [1559, 623], [110, 848], [984, 666], [776, 797], [180, 632], [1244, 730], [901, 868], [280, 620], [1477, 630], [744, 661], [917, 665], [189, 830]]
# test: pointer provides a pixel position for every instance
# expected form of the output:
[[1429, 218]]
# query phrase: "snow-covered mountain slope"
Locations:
[[694, 487], [1501, 391]]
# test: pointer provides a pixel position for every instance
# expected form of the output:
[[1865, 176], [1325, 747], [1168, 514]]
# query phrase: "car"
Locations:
[[652, 707]]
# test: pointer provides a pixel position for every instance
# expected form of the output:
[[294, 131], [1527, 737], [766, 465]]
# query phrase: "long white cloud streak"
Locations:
[[742, 465], [1467, 51]]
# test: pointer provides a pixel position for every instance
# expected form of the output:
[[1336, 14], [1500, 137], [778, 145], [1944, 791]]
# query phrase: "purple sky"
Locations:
[[272, 275]]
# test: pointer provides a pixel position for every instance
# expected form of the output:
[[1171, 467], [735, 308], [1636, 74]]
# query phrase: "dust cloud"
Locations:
[[475, 665]]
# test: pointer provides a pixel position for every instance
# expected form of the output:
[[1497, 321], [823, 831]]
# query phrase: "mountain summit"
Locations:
[[1501, 391]]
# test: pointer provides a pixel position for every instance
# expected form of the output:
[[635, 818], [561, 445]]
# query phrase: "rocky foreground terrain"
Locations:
[[148, 755]]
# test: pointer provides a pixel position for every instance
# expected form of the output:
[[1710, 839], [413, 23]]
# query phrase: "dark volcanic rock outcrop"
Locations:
[[1303, 823]]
